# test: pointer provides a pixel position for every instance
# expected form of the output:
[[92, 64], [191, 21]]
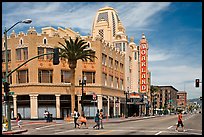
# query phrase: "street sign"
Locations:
[[11, 93], [170, 100]]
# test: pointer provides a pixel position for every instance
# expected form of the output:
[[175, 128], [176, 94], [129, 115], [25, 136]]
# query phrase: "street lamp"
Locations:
[[82, 82], [27, 21], [126, 97]]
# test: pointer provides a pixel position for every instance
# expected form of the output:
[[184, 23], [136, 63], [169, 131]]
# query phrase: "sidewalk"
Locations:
[[109, 120]]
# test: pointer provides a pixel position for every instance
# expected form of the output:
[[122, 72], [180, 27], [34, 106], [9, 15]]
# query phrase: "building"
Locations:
[[165, 99], [39, 85], [182, 100]]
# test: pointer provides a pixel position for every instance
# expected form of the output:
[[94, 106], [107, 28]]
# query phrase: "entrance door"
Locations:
[[65, 112]]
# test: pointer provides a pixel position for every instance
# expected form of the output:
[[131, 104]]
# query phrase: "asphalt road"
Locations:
[[164, 125]]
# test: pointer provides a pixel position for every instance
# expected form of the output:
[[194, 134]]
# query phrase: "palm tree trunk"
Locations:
[[73, 90]]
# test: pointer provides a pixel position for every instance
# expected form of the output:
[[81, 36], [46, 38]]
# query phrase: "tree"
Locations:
[[153, 90], [74, 51]]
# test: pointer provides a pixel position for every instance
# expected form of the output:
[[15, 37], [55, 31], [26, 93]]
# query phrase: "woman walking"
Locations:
[[18, 120], [83, 120], [97, 120]]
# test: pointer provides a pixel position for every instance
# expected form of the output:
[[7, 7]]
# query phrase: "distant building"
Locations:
[[182, 99], [165, 99]]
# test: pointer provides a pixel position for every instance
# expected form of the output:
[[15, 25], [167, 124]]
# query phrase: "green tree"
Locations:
[[74, 51], [153, 90]]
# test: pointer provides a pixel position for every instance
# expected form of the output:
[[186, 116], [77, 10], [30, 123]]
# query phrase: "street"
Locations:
[[163, 125]]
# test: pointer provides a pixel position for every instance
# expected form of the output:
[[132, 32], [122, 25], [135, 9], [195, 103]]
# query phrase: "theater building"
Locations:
[[39, 85]]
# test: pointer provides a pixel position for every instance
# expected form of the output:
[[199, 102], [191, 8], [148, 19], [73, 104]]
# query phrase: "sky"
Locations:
[[173, 31]]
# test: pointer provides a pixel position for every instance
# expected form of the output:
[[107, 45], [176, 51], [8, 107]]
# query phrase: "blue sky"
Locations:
[[173, 30]]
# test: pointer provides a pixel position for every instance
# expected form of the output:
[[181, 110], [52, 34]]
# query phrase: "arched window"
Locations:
[[44, 41]]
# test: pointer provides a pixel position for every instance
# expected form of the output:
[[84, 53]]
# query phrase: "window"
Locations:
[[21, 42], [45, 76], [104, 79], [177, 96], [121, 84], [102, 16], [135, 55], [118, 46], [90, 76], [121, 67], [101, 33], [18, 54], [110, 81], [93, 59], [65, 76], [110, 62], [116, 65], [49, 50], [25, 53], [104, 59], [3, 56], [40, 51], [123, 46], [113, 24], [22, 76], [116, 82], [44, 41]]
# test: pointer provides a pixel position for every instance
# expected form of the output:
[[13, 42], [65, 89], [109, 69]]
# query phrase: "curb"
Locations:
[[14, 132]]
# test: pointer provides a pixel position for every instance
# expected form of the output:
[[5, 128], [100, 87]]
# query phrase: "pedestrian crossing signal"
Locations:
[[197, 83]]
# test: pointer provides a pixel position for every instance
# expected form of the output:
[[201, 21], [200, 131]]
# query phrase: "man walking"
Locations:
[[101, 118], [97, 120], [180, 121]]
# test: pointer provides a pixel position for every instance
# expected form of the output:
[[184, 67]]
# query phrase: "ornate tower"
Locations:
[[106, 24]]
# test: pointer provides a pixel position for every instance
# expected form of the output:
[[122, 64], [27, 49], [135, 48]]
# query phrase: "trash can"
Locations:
[[50, 117]]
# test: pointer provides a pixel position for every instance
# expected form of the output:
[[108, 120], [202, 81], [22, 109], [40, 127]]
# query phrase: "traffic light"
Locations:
[[197, 83], [6, 91], [200, 98], [56, 56]]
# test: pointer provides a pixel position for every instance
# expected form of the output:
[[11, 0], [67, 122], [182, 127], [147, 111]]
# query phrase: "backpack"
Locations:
[[78, 114]]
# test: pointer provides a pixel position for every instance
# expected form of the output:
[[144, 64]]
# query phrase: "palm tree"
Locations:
[[153, 90], [74, 51]]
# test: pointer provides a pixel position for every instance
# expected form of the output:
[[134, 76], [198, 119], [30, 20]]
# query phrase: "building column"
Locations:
[[99, 102], [15, 106], [34, 106], [57, 105], [108, 106], [114, 107], [79, 105]]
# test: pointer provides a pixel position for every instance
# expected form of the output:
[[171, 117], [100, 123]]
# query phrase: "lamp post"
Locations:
[[27, 21], [82, 82], [126, 97]]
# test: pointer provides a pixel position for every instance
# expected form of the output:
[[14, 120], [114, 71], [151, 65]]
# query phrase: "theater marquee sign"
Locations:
[[143, 68]]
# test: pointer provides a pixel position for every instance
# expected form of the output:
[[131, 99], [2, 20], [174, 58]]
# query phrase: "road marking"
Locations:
[[46, 126], [169, 127], [158, 133], [104, 132]]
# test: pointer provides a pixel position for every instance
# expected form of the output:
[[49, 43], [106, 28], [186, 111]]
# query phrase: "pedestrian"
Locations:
[[101, 118], [46, 115], [97, 120], [83, 119], [18, 120], [76, 116], [180, 122]]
